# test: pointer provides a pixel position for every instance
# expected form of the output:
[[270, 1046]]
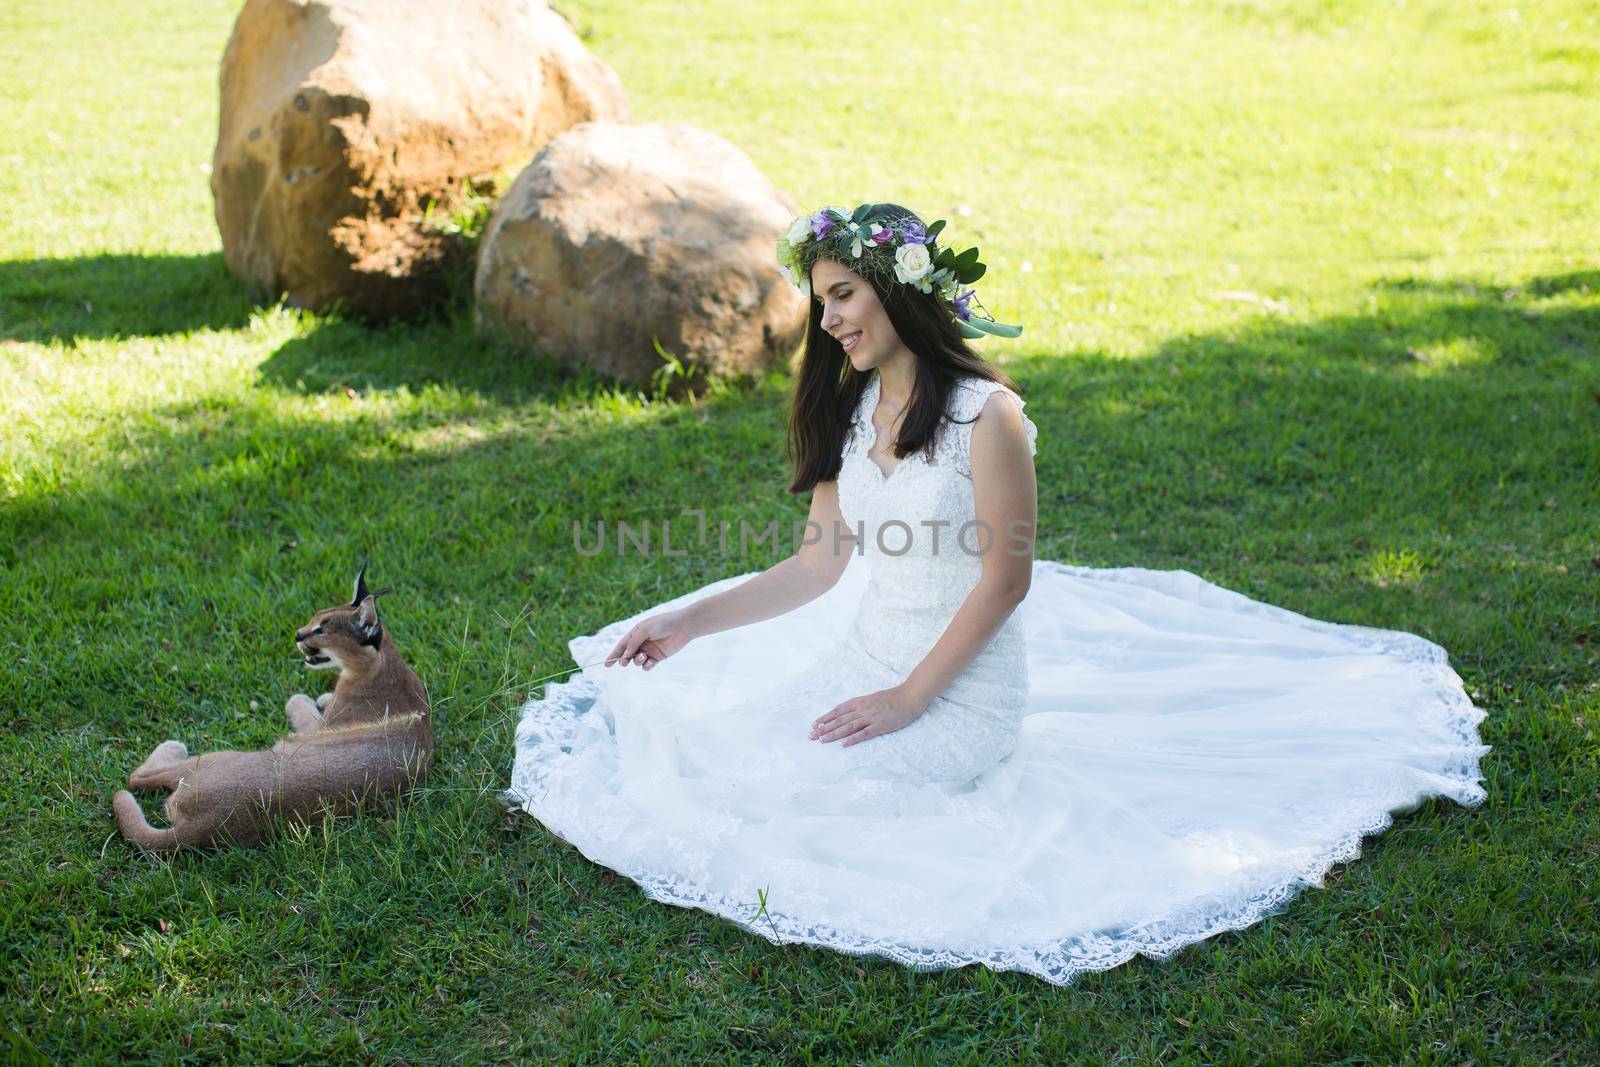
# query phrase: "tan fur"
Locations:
[[365, 744]]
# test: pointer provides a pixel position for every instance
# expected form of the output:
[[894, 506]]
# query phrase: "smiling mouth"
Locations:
[[849, 341]]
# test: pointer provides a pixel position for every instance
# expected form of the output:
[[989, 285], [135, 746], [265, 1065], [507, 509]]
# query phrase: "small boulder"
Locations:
[[621, 235], [343, 119]]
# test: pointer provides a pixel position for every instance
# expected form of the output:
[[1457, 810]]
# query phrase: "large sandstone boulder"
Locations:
[[618, 235], [342, 120]]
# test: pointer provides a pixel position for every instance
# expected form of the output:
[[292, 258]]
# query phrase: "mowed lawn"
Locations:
[[1311, 307]]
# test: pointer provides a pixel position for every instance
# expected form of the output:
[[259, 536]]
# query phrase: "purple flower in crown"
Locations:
[[823, 224], [915, 234], [883, 236], [963, 302]]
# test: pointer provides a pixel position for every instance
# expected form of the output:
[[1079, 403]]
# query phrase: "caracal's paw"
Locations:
[[164, 755], [302, 712]]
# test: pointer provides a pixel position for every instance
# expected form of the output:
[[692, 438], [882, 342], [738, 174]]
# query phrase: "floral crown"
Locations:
[[896, 248]]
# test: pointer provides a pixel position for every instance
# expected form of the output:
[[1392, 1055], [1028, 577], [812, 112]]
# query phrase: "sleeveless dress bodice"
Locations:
[[917, 532]]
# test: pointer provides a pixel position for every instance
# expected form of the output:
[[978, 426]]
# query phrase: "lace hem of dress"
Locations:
[[552, 722]]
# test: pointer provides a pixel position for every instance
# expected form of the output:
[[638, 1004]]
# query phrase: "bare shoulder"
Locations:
[[1000, 424]]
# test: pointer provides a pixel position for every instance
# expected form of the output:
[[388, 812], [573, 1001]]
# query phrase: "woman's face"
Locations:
[[852, 313]]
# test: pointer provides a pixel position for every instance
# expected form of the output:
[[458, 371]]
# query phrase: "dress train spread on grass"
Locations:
[[1138, 760]]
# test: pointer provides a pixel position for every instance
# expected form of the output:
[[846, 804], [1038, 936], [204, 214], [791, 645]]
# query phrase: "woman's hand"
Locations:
[[652, 640], [860, 718]]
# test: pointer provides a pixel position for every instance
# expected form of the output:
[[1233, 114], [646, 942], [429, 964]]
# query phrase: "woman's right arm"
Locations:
[[812, 570], [804, 576]]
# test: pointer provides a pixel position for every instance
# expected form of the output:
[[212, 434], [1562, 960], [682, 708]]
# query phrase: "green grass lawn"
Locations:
[[1311, 297]]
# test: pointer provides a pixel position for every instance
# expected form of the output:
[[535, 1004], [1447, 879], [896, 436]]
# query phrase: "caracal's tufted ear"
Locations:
[[361, 587], [367, 620]]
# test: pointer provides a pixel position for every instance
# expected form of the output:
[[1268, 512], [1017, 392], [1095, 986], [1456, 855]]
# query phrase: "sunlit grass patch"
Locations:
[[1395, 567]]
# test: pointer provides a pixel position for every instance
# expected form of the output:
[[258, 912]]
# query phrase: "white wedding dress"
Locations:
[[1138, 760]]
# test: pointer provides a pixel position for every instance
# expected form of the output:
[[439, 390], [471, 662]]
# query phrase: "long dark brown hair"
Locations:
[[828, 388]]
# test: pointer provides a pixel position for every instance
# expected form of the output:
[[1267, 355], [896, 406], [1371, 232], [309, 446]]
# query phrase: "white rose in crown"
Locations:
[[799, 229], [912, 262]]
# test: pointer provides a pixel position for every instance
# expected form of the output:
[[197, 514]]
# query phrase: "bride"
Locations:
[[912, 740]]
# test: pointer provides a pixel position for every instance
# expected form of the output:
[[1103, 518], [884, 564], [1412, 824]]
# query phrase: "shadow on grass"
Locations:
[[440, 350], [158, 596], [119, 296], [1583, 282], [466, 522], [1316, 465], [1457, 326]]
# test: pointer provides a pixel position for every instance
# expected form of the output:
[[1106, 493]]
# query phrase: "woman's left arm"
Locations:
[[1005, 502]]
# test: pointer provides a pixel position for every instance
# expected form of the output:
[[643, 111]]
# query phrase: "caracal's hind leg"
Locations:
[[162, 769], [304, 716]]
